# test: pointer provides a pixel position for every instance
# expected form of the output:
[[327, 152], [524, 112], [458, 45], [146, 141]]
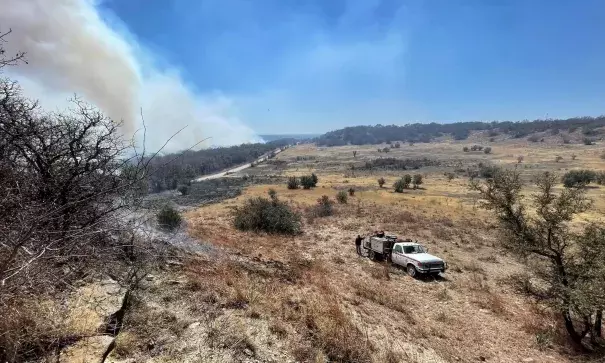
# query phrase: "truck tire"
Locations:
[[372, 255], [412, 270]]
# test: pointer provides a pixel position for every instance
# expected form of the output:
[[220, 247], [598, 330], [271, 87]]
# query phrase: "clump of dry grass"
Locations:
[[31, 328], [493, 302], [383, 296], [333, 331], [230, 337], [379, 271]]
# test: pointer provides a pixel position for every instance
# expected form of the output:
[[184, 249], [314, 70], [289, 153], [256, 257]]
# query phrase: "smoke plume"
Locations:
[[71, 50]]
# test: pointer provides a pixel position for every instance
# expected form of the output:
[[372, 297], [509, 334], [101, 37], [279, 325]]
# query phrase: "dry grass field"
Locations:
[[310, 298]]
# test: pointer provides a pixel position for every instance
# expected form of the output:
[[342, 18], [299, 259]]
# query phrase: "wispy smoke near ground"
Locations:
[[70, 49]]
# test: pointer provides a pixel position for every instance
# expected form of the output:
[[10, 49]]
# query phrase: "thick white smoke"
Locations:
[[71, 50]]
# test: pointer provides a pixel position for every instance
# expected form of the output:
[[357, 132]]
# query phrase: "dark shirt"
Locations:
[[358, 241]]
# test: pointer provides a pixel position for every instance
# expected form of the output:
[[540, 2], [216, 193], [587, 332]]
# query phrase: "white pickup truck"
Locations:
[[411, 255], [415, 259]]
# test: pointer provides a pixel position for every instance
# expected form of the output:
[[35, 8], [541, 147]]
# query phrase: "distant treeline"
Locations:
[[361, 135], [167, 172]]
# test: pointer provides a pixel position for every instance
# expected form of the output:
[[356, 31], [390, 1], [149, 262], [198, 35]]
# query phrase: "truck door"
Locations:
[[396, 256]]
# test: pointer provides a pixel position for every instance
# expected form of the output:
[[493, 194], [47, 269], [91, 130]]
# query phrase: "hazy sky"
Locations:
[[317, 65]]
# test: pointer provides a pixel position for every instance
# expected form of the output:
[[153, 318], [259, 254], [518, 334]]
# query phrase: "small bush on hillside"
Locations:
[[573, 156], [450, 176], [465, 149], [578, 178], [407, 179], [520, 159], [397, 145], [600, 178], [315, 179], [267, 215], [307, 181], [342, 197], [476, 148], [169, 218], [386, 150], [381, 182], [533, 138], [487, 150], [558, 158], [588, 141], [324, 207], [351, 191], [293, 182], [417, 180], [183, 189], [399, 186]]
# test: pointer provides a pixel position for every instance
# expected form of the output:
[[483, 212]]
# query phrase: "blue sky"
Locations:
[[317, 65]]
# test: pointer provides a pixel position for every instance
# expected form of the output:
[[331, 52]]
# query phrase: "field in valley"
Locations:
[[310, 298]]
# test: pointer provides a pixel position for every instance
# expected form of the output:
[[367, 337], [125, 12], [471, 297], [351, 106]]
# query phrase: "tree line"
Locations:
[[417, 132], [169, 171]]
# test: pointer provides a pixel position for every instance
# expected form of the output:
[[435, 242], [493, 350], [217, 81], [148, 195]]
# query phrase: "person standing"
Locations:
[[358, 244]]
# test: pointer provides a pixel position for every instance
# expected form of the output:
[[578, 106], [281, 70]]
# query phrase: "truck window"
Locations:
[[398, 249], [409, 249]]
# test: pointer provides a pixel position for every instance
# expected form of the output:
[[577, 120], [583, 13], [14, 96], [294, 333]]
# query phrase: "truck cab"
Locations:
[[416, 259]]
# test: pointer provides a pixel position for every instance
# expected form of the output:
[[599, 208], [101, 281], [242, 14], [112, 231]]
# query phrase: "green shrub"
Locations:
[[169, 218], [271, 216], [588, 141], [417, 180], [183, 189], [351, 191], [307, 181], [407, 180], [487, 150], [465, 149], [381, 182], [315, 180], [293, 182], [578, 178], [558, 158], [342, 197], [397, 145], [399, 186], [600, 178], [324, 207]]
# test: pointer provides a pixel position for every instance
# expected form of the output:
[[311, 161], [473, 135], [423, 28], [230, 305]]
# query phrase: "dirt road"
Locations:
[[236, 169]]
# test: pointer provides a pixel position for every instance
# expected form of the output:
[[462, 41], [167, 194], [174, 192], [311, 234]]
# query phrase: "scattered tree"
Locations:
[[354, 153], [385, 150], [399, 186], [315, 179], [342, 197], [351, 191], [381, 181], [465, 149], [417, 180], [533, 138], [569, 263], [450, 176], [293, 182], [573, 156], [407, 179], [307, 181], [520, 159], [578, 178], [588, 141], [558, 158], [487, 150], [397, 145]]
